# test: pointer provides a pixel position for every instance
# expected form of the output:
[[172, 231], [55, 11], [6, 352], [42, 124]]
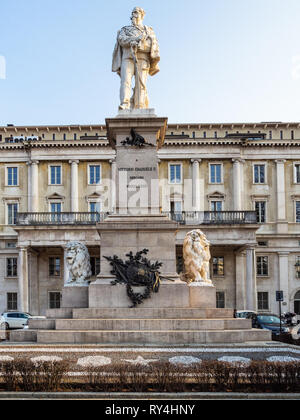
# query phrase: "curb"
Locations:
[[142, 396]]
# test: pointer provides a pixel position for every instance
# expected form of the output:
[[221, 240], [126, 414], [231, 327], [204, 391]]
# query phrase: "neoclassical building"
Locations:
[[239, 183]]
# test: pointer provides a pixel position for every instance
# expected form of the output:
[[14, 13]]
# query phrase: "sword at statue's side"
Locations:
[[138, 80]]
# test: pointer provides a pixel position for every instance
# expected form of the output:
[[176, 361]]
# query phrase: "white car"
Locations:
[[16, 320]]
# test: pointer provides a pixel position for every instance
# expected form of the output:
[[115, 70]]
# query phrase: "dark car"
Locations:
[[269, 322]]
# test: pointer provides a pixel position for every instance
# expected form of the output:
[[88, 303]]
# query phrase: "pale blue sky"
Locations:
[[222, 60]]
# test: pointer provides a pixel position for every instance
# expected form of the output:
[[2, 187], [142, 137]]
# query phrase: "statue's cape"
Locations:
[[154, 54]]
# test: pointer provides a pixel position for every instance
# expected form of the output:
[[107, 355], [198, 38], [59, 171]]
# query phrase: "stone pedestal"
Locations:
[[75, 297], [203, 297], [122, 234]]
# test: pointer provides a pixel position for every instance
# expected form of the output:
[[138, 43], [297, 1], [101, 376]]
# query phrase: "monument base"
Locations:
[[75, 297], [171, 295]]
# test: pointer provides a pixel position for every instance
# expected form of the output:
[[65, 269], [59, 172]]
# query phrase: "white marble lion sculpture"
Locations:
[[196, 254], [78, 264]]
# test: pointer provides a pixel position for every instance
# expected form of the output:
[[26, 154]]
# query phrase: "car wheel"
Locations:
[[4, 326]]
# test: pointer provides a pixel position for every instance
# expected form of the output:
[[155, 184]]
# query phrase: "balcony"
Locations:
[[214, 218], [52, 219]]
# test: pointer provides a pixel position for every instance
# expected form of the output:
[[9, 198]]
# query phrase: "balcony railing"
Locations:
[[214, 218], [40, 219], [183, 218]]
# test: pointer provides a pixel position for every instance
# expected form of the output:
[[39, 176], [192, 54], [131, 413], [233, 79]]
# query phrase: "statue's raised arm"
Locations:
[[136, 54]]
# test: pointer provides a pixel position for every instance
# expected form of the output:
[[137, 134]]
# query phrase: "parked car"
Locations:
[[245, 314], [16, 320], [269, 322]]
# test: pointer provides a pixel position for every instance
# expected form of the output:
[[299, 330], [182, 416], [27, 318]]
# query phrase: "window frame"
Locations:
[[267, 309], [54, 266], [266, 211], [260, 274], [296, 203], [262, 164], [295, 165], [217, 273], [169, 173], [15, 308], [13, 185], [218, 300], [11, 203], [14, 268], [50, 166], [90, 165], [49, 299], [211, 164]]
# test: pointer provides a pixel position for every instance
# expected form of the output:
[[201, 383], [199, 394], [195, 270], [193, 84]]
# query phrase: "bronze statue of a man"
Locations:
[[136, 54]]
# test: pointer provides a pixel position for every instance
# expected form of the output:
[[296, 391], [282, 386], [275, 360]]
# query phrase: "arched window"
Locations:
[[297, 303]]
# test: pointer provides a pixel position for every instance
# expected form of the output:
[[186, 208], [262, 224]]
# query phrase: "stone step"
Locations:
[[151, 324], [152, 337], [151, 313]]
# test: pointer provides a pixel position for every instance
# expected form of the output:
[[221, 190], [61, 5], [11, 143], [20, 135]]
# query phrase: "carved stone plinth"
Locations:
[[75, 297], [202, 296]]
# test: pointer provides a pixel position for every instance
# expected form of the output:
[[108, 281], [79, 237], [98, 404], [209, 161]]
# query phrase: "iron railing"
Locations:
[[214, 218], [40, 219]]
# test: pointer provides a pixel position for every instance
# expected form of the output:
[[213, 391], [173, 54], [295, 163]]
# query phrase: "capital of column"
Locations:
[[196, 161], [32, 162], [74, 162], [238, 160], [280, 161]]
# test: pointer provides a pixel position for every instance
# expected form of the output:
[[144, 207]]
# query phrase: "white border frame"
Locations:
[[295, 173]]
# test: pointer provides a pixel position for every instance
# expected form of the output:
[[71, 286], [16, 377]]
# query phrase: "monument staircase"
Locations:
[[140, 326]]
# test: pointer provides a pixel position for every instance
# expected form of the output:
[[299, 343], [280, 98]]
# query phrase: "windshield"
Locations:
[[268, 319]]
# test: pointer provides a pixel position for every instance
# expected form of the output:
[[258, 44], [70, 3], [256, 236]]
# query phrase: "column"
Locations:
[[66, 270], [237, 184], [284, 274], [240, 259], [23, 299], [29, 187], [113, 185], [74, 186], [251, 288], [196, 184], [280, 191], [35, 186]]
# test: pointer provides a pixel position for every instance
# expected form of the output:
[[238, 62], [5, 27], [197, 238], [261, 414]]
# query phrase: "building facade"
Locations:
[[239, 183]]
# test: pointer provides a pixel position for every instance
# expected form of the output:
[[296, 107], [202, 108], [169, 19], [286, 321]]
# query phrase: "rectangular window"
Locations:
[[95, 207], [221, 300], [218, 266], [298, 267], [216, 174], [55, 175], [95, 266], [259, 174], [12, 301], [175, 174], [216, 206], [56, 209], [11, 245], [12, 267], [95, 175], [262, 266], [260, 208], [176, 210], [54, 300], [297, 211], [297, 174], [54, 267], [12, 177], [12, 211], [263, 301]]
